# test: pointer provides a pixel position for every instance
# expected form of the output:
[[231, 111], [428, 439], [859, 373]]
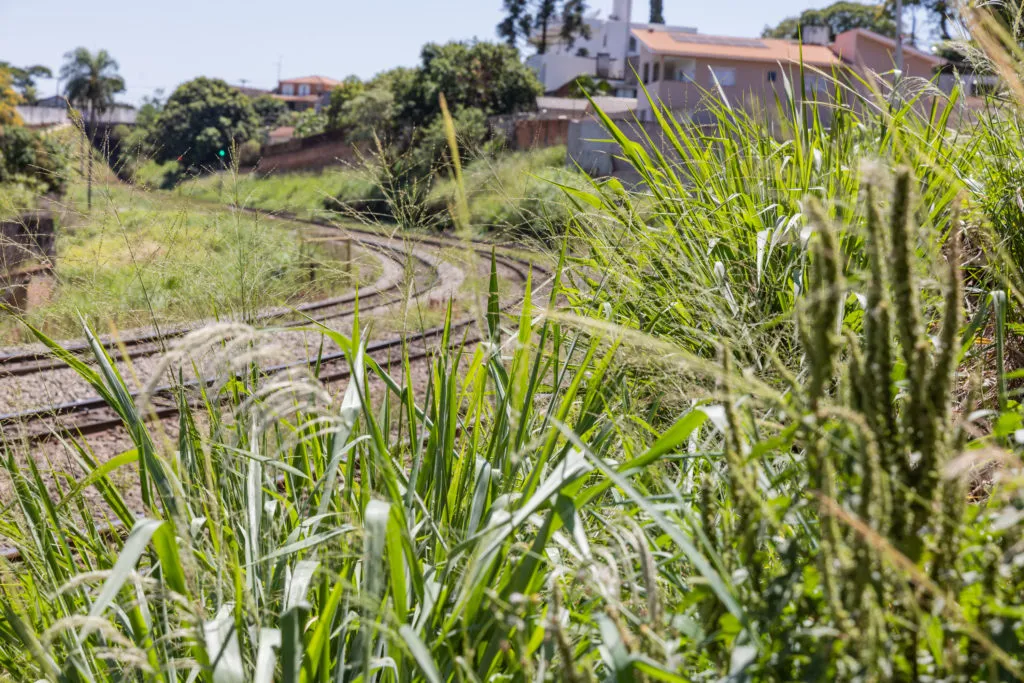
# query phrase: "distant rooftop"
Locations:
[[312, 80]]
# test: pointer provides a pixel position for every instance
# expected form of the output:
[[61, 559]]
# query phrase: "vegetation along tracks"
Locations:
[[433, 277]]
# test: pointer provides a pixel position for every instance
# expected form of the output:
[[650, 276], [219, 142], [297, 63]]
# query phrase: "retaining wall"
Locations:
[[306, 154], [30, 237], [27, 239]]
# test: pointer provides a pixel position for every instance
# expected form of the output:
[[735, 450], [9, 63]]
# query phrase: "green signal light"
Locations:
[[220, 153]]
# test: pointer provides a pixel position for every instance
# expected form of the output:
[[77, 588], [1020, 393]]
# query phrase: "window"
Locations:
[[304, 89], [814, 83], [606, 40], [647, 72], [632, 43], [725, 75], [684, 71], [657, 72], [287, 89], [772, 76]]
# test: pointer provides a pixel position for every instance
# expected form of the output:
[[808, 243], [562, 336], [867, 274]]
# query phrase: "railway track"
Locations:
[[20, 364], [93, 416]]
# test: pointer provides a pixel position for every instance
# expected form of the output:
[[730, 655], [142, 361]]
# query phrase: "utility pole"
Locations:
[[899, 36]]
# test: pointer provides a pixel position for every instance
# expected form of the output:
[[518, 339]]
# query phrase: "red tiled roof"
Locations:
[[742, 49], [312, 80]]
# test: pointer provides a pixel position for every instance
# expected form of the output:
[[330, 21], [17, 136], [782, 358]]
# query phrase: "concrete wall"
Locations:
[[43, 117], [589, 147]]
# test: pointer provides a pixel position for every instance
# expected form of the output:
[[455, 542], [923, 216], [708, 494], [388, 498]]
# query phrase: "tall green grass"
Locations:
[[761, 428], [522, 516], [715, 243]]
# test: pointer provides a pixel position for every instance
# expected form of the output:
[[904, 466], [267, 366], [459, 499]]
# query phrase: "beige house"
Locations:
[[680, 69]]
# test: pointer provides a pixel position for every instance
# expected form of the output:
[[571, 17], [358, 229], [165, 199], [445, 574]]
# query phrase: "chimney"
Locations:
[[813, 34]]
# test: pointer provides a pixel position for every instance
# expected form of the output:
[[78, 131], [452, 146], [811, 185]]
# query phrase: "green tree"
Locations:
[[536, 19], [24, 79], [342, 94], [943, 13], [485, 76], [141, 140], [270, 110], [839, 17], [657, 12], [90, 83], [371, 112], [202, 118]]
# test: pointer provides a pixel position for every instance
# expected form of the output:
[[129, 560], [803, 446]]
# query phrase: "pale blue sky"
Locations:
[[161, 43]]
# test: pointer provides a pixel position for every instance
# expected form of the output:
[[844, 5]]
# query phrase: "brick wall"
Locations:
[[534, 133], [312, 153]]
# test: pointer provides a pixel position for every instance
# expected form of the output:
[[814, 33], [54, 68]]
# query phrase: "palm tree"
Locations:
[[91, 81]]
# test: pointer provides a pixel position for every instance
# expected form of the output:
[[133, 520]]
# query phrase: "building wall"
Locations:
[[864, 53], [555, 70], [754, 84]]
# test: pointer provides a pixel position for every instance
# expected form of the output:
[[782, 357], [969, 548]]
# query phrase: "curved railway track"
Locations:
[[23, 363], [92, 416]]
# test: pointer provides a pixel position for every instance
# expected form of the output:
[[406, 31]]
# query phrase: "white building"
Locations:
[[602, 56]]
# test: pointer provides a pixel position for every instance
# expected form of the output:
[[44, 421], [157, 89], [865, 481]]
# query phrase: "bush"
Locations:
[[249, 153], [29, 157], [155, 175], [309, 122], [518, 193], [430, 148]]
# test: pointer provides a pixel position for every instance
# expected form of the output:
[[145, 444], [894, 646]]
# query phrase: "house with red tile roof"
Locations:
[[305, 92], [681, 69]]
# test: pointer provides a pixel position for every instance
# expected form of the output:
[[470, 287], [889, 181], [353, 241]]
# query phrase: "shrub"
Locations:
[[249, 153], [309, 122], [29, 157], [519, 193], [154, 175]]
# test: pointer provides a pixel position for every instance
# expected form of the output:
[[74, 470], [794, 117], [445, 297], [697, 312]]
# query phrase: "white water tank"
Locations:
[[813, 34]]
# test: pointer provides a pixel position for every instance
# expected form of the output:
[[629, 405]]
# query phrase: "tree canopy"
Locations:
[[839, 17], [201, 118], [540, 19], [657, 12], [91, 80], [270, 110], [343, 93], [486, 76], [9, 99], [24, 79]]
